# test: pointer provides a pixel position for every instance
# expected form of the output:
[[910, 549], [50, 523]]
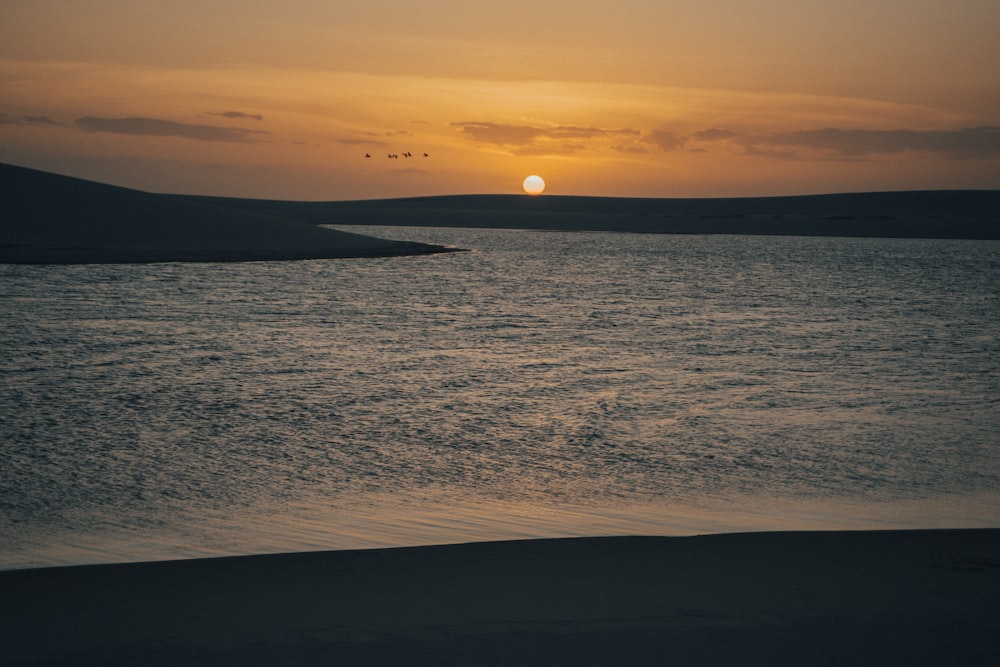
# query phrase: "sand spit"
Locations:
[[46, 218], [797, 598]]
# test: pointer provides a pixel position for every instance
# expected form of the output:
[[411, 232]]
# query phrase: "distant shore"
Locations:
[[945, 214], [47, 218], [159, 255], [819, 598]]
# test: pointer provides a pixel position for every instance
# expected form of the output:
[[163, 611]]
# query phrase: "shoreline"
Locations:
[[381, 522], [40, 256], [828, 597]]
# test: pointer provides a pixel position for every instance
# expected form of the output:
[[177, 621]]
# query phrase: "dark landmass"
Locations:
[[50, 219], [940, 214], [910, 598], [47, 218]]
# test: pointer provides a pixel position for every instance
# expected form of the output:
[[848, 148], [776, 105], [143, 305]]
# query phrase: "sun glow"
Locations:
[[534, 185]]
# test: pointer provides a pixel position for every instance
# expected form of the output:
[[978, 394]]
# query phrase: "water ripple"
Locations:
[[591, 372]]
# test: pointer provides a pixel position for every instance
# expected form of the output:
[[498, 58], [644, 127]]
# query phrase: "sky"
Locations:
[[651, 98]]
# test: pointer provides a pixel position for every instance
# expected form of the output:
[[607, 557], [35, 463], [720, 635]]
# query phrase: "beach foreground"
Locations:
[[859, 598]]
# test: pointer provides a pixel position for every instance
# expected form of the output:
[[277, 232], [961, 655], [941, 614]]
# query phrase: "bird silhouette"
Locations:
[[425, 154], [367, 154], [407, 154]]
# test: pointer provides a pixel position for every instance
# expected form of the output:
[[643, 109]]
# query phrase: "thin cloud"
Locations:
[[156, 127], [565, 148], [635, 150], [41, 120], [666, 141], [573, 131], [30, 120], [534, 140], [713, 134], [500, 134], [968, 142], [237, 115], [837, 143]]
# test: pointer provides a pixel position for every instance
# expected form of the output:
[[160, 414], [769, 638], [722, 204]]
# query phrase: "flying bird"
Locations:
[[367, 154]]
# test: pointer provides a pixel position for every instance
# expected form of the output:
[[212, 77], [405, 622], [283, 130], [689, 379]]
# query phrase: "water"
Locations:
[[545, 384]]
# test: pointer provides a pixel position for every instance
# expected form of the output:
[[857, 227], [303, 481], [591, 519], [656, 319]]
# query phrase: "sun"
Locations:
[[534, 185]]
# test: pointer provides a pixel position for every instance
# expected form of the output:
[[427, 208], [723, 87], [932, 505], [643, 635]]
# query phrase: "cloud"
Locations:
[[837, 143], [967, 142], [155, 127], [635, 150], [565, 148], [533, 140], [499, 134], [41, 120], [30, 120], [666, 141], [237, 115], [713, 134]]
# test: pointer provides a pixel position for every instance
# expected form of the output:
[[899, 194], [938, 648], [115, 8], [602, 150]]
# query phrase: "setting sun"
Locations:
[[534, 185]]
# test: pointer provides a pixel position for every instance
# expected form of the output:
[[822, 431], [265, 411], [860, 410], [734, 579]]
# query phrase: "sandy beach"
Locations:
[[819, 598]]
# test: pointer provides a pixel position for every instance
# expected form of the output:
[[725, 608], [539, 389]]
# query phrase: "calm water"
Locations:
[[545, 384]]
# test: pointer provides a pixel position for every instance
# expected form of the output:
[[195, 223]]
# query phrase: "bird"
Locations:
[[425, 154], [367, 154], [407, 154]]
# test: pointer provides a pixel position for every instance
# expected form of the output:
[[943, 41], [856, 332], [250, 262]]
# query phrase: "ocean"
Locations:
[[544, 384]]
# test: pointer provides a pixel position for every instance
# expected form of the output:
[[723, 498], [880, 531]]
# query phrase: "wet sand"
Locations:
[[817, 598]]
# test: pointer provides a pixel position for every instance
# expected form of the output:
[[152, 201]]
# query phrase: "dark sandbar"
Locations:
[[804, 598]]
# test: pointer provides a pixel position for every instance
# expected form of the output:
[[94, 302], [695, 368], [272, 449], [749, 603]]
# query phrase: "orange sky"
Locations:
[[645, 98]]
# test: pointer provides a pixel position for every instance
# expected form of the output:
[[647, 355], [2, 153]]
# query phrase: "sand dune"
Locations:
[[828, 598], [48, 218], [929, 214], [56, 219]]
